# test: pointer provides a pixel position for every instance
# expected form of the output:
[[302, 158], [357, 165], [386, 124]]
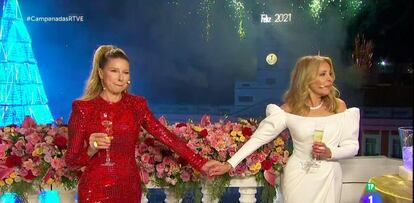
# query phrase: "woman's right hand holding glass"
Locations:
[[99, 141]]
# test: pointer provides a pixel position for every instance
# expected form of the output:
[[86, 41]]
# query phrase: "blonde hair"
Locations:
[[100, 58], [304, 73]]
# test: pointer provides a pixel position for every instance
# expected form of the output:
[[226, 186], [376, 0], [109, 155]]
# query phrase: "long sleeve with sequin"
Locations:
[[155, 128], [76, 155]]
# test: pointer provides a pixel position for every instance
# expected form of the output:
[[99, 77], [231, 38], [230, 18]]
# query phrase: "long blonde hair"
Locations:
[[101, 56], [304, 73]]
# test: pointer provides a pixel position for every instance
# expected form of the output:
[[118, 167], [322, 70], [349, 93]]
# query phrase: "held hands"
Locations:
[[214, 168], [219, 169], [208, 165], [321, 151]]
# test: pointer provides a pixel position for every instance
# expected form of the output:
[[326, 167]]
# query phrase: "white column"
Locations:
[[32, 198], [206, 196], [144, 198], [170, 197], [247, 194], [247, 188]]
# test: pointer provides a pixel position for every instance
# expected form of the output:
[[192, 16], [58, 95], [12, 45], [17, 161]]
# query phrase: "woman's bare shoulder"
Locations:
[[341, 105], [285, 107]]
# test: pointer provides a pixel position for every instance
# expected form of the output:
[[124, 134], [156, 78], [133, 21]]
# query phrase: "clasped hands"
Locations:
[[215, 168]]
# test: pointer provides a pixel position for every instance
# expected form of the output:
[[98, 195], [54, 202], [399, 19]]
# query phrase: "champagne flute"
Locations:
[[317, 137], [107, 123]]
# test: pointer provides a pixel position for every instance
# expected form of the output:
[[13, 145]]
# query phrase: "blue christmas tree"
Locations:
[[21, 88]]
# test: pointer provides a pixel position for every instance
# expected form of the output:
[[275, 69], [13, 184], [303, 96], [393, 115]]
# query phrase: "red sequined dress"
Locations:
[[121, 182]]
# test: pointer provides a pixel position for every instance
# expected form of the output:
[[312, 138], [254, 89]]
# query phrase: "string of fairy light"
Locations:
[[240, 11]]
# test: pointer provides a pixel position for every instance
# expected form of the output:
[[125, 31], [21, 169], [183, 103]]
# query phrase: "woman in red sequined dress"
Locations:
[[105, 99]]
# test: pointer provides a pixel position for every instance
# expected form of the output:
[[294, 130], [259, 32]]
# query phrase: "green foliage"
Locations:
[[268, 192], [193, 188], [218, 186], [181, 189], [69, 184]]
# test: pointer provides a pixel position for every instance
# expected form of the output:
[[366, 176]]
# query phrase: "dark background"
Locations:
[[175, 61]]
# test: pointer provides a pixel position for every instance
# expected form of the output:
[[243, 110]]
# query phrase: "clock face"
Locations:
[[271, 59]]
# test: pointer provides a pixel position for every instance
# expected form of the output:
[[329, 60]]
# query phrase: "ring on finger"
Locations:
[[95, 144]]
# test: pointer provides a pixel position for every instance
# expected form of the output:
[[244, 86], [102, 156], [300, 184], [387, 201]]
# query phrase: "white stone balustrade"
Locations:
[[356, 173]]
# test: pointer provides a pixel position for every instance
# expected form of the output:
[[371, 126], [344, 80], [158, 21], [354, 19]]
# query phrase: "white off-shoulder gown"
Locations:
[[300, 184]]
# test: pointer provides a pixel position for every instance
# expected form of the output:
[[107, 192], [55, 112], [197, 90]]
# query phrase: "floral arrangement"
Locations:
[[31, 157], [217, 141]]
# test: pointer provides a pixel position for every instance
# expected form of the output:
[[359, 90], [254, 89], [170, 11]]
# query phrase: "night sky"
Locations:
[[173, 62]]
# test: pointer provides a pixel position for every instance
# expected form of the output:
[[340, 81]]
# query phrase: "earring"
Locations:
[[103, 87], [129, 82]]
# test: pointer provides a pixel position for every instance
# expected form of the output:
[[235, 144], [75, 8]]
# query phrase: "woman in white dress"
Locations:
[[313, 173]]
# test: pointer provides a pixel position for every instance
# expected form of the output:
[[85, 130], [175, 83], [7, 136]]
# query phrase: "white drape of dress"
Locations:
[[301, 183]]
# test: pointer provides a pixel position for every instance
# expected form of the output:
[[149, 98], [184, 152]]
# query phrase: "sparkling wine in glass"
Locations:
[[312, 163], [317, 137], [107, 124]]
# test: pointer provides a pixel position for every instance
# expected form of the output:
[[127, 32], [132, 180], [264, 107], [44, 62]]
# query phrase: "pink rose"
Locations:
[[142, 148], [145, 158], [160, 168], [274, 157], [33, 138], [52, 132], [56, 163], [227, 127], [2, 154], [20, 144], [185, 176], [29, 148], [17, 152], [5, 171], [285, 135], [205, 121], [222, 154], [29, 165]]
